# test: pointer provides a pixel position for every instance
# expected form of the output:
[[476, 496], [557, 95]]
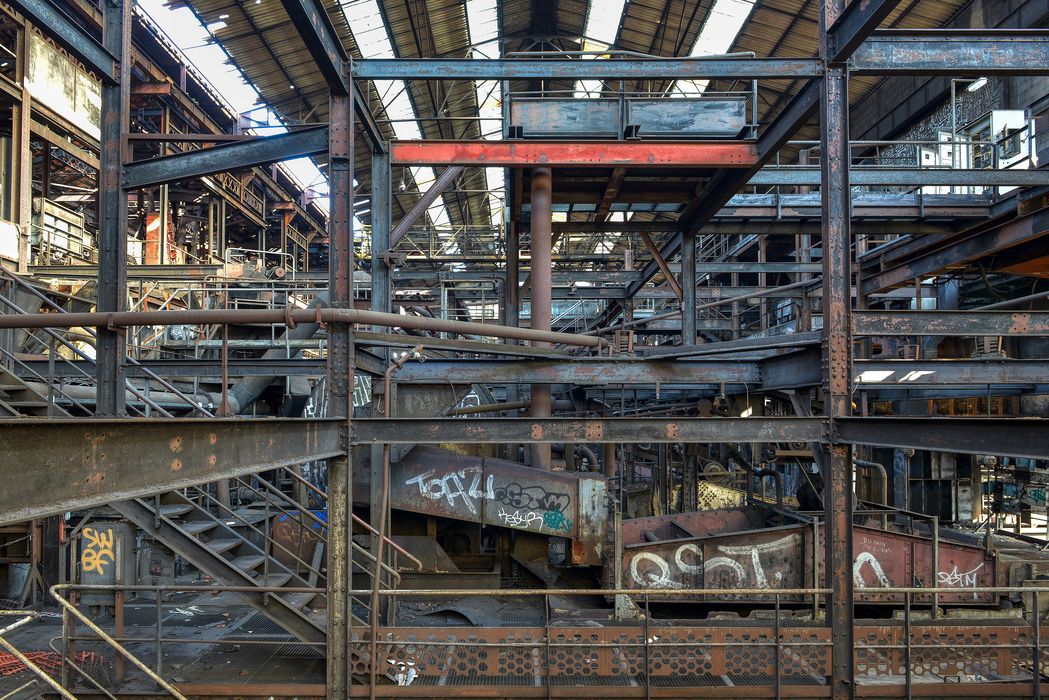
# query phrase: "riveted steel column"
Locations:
[[112, 209], [542, 291], [380, 301], [837, 352], [688, 287], [340, 392], [513, 305]]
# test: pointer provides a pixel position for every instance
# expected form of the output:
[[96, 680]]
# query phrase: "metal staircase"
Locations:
[[20, 399], [218, 541]]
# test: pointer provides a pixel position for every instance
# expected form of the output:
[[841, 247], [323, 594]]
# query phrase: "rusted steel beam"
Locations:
[[854, 24], [101, 60], [875, 373], [958, 53], [598, 154], [658, 258], [953, 323], [594, 371], [224, 157], [54, 466], [606, 69], [1015, 437], [632, 430], [442, 183]]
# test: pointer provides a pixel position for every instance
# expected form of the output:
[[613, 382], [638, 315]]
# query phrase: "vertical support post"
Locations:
[[512, 313], [688, 287], [837, 351], [23, 152], [381, 301], [542, 283], [340, 394], [112, 210]]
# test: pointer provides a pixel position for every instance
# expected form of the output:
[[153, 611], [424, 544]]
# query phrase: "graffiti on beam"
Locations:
[[461, 485], [524, 507], [97, 551], [735, 566]]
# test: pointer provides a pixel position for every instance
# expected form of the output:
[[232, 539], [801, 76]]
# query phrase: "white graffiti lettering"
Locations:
[[868, 559], [954, 579], [516, 519], [651, 570], [451, 486]]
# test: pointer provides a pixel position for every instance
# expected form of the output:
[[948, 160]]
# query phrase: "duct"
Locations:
[[248, 389], [164, 399]]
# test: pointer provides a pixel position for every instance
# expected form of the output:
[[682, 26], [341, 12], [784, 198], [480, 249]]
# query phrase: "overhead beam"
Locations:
[[543, 430], [607, 154], [1015, 437], [955, 52], [225, 157], [582, 371], [881, 373], [804, 176], [950, 323], [314, 26], [606, 69], [55, 466], [854, 24], [71, 37], [986, 243]]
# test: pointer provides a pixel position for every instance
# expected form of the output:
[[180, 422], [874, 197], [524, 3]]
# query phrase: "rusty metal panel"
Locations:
[[679, 525], [551, 117], [892, 559], [498, 492], [698, 118], [769, 558], [107, 558]]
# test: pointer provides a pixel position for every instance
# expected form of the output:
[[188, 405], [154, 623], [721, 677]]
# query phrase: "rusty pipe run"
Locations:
[[292, 317]]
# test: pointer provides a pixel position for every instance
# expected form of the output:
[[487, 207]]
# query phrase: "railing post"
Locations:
[[779, 680], [907, 644], [1036, 666]]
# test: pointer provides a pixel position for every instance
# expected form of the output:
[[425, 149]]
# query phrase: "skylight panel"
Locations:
[[602, 25], [719, 32], [482, 20], [374, 41]]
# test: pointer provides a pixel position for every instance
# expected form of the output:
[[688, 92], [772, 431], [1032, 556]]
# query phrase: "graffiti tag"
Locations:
[[464, 485], [97, 551]]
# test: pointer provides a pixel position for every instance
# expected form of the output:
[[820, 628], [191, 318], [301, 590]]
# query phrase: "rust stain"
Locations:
[[95, 478], [672, 431], [212, 460], [176, 465], [594, 432], [213, 439], [176, 444], [537, 431]]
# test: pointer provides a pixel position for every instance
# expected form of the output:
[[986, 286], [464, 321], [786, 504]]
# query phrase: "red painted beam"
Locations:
[[719, 154]]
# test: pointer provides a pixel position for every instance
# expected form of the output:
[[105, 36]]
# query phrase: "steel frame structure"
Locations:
[[849, 45]]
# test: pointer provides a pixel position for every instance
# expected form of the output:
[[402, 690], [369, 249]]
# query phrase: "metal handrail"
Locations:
[[29, 616]]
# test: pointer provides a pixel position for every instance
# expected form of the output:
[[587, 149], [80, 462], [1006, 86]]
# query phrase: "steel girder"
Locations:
[[582, 371], [1016, 437], [955, 52], [950, 323], [54, 466], [224, 157], [638, 154], [71, 37]]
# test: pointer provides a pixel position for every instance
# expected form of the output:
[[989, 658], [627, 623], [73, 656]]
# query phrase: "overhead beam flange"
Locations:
[[70, 36], [54, 466], [225, 157]]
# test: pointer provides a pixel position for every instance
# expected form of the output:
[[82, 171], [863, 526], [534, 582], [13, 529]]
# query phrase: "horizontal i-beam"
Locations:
[[954, 52], [599, 154], [950, 323], [798, 176], [228, 156], [608, 69], [1015, 437], [632, 430], [895, 373], [583, 371], [53, 466]]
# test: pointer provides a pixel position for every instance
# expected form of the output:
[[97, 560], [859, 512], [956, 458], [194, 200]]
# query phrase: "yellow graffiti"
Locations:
[[97, 551]]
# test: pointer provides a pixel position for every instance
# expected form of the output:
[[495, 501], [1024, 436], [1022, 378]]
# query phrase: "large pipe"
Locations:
[[123, 319], [542, 292]]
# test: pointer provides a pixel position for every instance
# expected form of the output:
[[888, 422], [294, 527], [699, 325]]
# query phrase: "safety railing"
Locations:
[[27, 616], [784, 650]]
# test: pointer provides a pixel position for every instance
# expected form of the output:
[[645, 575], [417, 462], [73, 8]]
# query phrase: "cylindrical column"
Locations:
[[542, 283]]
